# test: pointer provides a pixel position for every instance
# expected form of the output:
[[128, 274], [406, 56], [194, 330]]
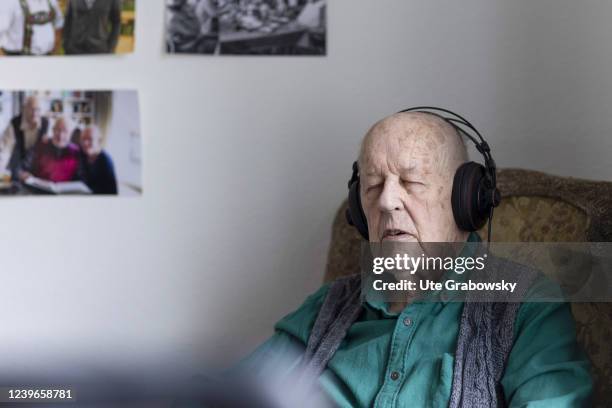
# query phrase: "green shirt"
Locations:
[[406, 359]]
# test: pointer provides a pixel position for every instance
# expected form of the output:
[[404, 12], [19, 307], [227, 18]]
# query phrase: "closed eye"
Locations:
[[414, 184], [373, 187]]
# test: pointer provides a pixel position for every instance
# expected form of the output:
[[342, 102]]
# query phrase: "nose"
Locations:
[[390, 197]]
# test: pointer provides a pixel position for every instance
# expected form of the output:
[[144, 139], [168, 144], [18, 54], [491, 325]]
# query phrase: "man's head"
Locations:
[[62, 129], [91, 140], [407, 165], [31, 111]]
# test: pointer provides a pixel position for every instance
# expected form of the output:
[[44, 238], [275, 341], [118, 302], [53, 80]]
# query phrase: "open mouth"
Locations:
[[394, 234]]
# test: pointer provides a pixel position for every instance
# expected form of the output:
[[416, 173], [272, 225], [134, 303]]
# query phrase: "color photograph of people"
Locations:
[[75, 142], [246, 27], [66, 27]]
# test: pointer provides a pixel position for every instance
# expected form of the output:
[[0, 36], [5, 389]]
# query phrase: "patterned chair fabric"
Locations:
[[536, 207]]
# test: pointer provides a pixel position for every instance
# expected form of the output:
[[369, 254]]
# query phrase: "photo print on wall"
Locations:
[[246, 27], [70, 142], [66, 27]]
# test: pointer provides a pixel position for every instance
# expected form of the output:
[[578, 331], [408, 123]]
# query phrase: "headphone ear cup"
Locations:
[[467, 200], [354, 213]]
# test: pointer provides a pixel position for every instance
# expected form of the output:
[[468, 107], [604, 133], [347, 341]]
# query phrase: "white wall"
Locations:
[[246, 160], [123, 139]]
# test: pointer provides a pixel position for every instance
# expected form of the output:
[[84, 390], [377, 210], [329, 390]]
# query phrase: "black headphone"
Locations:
[[475, 192]]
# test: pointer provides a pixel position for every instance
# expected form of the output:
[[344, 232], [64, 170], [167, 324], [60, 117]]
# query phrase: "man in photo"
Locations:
[[30, 27], [56, 160], [98, 170], [405, 354], [22, 133], [92, 26], [192, 26]]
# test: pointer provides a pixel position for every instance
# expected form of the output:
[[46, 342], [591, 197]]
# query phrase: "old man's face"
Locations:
[[407, 165], [32, 111], [90, 141], [61, 133]]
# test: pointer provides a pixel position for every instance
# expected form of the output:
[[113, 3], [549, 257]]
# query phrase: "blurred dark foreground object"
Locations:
[[240, 391]]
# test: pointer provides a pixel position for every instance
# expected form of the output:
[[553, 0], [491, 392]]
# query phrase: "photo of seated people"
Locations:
[[68, 142], [246, 27], [66, 27]]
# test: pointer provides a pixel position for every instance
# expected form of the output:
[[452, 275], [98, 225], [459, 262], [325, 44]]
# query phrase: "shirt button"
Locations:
[[407, 321], [395, 375]]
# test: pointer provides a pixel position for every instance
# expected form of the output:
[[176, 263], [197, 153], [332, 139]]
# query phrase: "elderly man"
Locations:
[[98, 170], [192, 26], [30, 27], [403, 354], [57, 160], [22, 133]]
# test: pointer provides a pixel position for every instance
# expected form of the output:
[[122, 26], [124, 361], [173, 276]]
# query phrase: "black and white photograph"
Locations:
[[246, 27]]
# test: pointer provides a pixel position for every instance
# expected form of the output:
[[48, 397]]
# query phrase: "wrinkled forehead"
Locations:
[[413, 141]]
